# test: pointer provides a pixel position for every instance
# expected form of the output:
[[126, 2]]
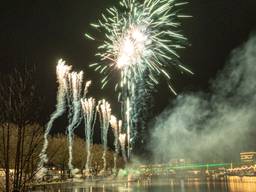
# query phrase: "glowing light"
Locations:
[[116, 125], [141, 43], [62, 71], [138, 36], [70, 95], [104, 111], [88, 106], [131, 48], [122, 139], [75, 82]]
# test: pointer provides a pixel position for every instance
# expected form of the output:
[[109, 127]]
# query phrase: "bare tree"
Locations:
[[19, 112]]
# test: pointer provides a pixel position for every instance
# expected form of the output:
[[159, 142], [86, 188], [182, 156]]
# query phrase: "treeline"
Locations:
[[21, 136]]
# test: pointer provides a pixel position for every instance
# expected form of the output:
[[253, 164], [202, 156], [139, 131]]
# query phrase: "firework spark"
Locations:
[[104, 111], [122, 139], [76, 81], [141, 37], [88, 106], [116, 126], [62, 71]]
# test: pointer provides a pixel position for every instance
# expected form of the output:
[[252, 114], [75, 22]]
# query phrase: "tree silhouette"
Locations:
[[19, 106]]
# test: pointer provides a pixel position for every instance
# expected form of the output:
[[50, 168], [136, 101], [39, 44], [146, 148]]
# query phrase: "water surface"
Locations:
[[233, 184]]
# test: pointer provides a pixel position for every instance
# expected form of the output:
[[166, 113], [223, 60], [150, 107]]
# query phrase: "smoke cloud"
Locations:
[[216, 126]]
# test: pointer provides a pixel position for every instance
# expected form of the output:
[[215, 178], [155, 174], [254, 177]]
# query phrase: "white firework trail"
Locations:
[[141, 37], [86, 87], [62, 71], [122, 139], [76, 92], [104, 111], [88, 106], [116, 126]]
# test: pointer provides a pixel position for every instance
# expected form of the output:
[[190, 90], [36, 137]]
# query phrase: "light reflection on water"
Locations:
[[233, 184], [242, 184]]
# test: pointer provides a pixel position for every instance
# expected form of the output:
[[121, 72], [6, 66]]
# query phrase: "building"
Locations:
[[248, 157]]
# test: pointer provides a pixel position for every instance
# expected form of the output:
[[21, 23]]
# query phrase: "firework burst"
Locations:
[[141, 42], [139, 36]]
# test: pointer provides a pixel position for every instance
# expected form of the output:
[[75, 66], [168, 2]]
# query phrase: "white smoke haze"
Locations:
[[216, 126]]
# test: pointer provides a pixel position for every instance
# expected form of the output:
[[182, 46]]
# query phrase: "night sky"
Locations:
[[41, 32]]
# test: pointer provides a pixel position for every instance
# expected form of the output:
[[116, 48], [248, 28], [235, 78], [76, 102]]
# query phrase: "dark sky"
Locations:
[[41, 32]]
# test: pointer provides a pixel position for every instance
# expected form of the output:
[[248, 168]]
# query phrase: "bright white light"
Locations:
[[131, 48], [138, 35], [122, 138], [62, 70], [127, 52], [128, 47]]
